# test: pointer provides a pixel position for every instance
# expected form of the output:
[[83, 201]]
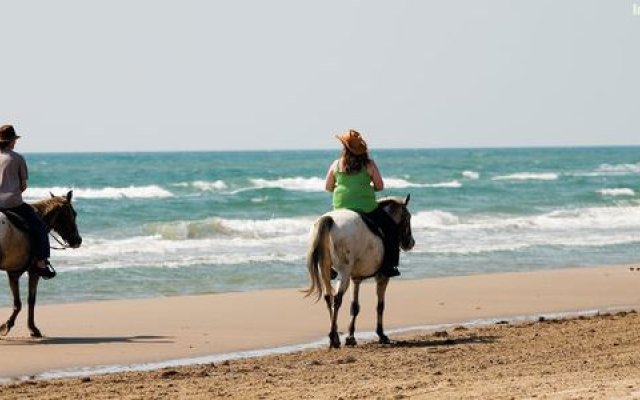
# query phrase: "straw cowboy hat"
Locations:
[[354, 142], [7, 133]]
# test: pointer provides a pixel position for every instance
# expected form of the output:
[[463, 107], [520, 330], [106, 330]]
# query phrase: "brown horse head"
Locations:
[[58, 214]]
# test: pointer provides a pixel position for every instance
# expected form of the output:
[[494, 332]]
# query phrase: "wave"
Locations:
[[132, 192], [313, 184], [204, 185], [619, 168], [617, 192], [611, 170], [399, 183], [442, 232], [235, 228], [316, 184], [221, 241], [156, 252], [470, 175], [604, 218], [526, 176]]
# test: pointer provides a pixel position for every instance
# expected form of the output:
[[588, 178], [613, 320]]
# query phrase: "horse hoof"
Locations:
[[35, 333], [384, 339], [350, 341], [4, 330]]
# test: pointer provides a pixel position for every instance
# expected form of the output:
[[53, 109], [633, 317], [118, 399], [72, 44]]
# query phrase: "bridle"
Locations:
[[64, 245]]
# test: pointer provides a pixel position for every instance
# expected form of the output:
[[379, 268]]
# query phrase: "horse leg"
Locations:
[[17, 304], [380, 290], [334, 337], [33, 290], [355, 310]]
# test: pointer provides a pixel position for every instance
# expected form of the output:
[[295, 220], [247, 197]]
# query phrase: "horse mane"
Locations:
[[385, 201], [394, 205], [45, 207]]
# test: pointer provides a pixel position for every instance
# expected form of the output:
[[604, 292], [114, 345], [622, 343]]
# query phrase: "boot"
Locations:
[[45, 270], [390, 272]]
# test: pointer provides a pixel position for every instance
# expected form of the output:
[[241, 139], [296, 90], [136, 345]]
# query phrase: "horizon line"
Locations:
[[507, 147]]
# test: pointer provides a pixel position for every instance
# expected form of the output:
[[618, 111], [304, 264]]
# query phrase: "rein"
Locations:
[[64, 246], [61, 242]]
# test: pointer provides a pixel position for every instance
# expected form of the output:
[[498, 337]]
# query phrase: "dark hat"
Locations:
[[7, 133], [354, 142]]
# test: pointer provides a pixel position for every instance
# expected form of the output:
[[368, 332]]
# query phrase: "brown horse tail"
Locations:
[[316, 255]]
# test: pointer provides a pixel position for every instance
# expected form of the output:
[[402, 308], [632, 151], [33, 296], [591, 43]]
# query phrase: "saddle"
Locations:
[[372, 225], [17, 220]]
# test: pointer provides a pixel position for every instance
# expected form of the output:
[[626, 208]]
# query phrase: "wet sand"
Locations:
[[546, 356]]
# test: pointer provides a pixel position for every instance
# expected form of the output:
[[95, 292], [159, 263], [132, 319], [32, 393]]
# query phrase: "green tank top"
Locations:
[[354, 191]]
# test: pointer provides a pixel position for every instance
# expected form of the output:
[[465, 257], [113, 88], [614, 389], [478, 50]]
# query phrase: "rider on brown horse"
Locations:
[[13, 181]]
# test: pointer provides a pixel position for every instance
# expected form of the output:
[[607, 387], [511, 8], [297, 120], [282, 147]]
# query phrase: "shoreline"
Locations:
[[155, 331], [362, 337]]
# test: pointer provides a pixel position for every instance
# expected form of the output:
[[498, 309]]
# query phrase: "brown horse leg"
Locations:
[[33, 290], [355, 310], [17, 304], [380, 290]]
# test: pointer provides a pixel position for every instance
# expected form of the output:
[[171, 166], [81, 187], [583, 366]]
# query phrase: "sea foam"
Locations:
[[527, 176], [132, 192], [617, 192]]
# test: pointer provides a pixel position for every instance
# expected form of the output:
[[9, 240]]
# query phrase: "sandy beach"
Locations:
[[90, 335]]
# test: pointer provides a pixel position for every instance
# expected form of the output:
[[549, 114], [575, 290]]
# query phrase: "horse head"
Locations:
[[58, 214], [396, 207]]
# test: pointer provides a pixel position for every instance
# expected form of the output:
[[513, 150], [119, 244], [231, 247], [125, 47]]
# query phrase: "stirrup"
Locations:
[[390, 273], [47, 272]]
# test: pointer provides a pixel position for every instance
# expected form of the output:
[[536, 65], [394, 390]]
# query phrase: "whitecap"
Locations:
[[238, 228], [619, 168], [617, 192], [132, 192], [470, 175], [525, 176], [313, 184], [433, 219], [399, 183], [204, 185]]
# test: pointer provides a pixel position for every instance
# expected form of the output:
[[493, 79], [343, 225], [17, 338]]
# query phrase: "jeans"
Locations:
[[391, 240], [38, 231]]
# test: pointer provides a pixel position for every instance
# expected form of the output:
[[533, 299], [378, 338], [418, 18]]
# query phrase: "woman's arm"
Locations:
[[376, 178], [330, 182]]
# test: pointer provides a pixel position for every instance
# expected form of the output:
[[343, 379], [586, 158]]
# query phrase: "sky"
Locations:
[[150, 75]]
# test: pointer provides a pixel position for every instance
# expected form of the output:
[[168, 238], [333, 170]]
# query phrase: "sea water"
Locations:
[[165, 224]]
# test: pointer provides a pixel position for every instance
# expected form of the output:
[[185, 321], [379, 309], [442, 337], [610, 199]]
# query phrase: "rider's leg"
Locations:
[[40, 240], [391, 242]]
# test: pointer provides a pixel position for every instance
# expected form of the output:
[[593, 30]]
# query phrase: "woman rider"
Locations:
[[354, 178]]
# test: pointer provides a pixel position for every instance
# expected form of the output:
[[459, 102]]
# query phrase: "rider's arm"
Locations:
[[330, 182], [376, 178], [24, 174]]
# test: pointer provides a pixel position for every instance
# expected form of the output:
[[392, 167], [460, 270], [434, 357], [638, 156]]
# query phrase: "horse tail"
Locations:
[[316, 255]]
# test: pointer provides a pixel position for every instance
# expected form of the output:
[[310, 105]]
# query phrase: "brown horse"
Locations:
[[340, 240], [15, 252]]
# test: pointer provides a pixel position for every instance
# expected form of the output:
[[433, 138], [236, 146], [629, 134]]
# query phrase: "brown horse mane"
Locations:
[[45, 207]]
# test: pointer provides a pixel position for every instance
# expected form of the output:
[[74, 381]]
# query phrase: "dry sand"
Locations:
[[582, 358]]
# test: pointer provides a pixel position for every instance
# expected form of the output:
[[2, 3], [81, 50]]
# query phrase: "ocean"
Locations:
[[167, 224]]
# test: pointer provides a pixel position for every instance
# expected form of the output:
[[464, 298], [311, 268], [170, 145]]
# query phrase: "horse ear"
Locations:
[[406, 201], [69, 195]]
